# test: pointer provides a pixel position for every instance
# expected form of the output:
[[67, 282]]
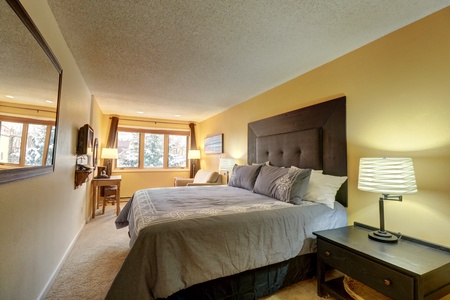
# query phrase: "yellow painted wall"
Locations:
[[133, 181], [398, 104], [40, 217]]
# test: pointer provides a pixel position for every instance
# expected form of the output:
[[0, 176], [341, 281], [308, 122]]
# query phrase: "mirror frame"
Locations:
[[27, 172]]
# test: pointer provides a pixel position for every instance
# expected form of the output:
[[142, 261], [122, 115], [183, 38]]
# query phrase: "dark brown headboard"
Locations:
[[311, 137]]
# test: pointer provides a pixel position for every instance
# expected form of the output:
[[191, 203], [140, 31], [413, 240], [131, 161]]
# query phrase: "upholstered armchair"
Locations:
[[203, 177]]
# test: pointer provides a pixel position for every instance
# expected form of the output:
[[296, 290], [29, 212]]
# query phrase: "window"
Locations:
[[128, 149], [26, 142], [151, 149]]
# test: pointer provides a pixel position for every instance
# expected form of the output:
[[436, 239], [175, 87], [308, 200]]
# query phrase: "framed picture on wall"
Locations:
[[214, 144]]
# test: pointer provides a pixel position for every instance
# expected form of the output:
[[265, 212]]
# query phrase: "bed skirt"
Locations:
[[253, 284]]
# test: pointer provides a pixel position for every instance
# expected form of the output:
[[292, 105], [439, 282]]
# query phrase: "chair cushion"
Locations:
[[206, 176]]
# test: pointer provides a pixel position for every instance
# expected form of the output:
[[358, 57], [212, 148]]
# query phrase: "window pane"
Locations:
[[49, 160], [10, 141], [177, 151], [128, 148], [153, 150], [35, 144]]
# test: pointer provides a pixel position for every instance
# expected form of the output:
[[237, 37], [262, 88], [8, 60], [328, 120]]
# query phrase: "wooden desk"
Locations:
[[97, 182]]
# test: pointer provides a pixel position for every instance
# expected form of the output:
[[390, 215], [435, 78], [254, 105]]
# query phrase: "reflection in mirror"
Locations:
[[30, 79]]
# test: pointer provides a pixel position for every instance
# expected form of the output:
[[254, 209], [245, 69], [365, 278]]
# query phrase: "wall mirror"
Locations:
[[30, 84]]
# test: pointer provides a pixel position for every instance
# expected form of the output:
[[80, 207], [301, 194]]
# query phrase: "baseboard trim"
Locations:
[[52, 279]]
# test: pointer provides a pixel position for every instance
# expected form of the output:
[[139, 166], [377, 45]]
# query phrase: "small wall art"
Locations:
[[214, 144]]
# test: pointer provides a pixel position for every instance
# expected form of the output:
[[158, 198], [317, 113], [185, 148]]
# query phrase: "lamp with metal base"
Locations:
[[194, 155], [226, 164], [391, 177]]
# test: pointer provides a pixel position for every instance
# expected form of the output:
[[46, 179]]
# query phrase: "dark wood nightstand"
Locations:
[[409, 269]]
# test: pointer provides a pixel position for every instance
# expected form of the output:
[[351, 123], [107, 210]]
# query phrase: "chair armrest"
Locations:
[[180, 181], [200, 184]]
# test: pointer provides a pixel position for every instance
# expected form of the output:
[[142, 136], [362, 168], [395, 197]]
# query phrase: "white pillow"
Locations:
[[323, 188]]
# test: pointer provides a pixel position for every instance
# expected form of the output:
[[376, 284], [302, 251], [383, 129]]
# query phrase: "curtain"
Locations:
[[193, 147], [112, 136], [111, 143]]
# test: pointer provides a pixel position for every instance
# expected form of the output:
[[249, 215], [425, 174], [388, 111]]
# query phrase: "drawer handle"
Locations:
[[387, 282], [327, 253]]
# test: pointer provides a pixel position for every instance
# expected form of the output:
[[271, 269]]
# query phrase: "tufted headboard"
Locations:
[[311, 137]]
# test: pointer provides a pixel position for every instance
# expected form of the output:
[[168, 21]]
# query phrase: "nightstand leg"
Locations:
[[320, 277]]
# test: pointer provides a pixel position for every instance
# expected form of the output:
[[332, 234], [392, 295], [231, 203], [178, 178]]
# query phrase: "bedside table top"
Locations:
[[408, 255]]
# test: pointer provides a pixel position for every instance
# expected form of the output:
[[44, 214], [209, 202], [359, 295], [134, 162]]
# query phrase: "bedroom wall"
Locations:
[[398, 104], [41, 217]]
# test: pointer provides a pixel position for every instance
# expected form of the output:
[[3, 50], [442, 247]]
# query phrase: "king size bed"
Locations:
[[253, 236]]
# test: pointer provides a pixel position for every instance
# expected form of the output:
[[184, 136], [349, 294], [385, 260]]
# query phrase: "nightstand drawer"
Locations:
[[390, 282]]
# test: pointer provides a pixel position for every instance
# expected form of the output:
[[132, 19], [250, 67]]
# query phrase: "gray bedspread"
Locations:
[[188, 235]]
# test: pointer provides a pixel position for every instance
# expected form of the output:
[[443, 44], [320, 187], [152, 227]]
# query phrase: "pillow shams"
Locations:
[[244, 176], [284, 184], [323, 188]]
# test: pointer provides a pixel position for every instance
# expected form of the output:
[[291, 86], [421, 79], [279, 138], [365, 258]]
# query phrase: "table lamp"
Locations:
[[108, 154], [227, 164], [193, 155], [391, 177]]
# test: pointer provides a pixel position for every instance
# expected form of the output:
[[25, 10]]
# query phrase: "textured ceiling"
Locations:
[[197, 58]]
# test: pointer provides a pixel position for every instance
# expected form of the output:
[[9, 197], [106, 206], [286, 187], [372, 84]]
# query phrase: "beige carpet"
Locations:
[[98, 254], [94, 260]]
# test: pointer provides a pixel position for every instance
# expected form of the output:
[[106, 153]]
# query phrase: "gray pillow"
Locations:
[[285, 184], [244, 176]]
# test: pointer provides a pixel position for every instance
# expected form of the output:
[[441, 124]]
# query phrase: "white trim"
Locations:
[[52, 279]]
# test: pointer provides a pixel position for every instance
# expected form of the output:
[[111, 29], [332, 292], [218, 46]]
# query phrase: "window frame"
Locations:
[[142, 132]]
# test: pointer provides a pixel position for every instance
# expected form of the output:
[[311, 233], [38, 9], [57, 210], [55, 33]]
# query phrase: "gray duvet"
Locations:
[[188, 235]]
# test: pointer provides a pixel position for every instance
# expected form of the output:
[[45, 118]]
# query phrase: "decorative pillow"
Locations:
[[244, 176], [323, 188], [285, 184], [300, 185]]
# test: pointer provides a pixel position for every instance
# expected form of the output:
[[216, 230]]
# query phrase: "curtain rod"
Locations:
[[155, 122], [26, 108]]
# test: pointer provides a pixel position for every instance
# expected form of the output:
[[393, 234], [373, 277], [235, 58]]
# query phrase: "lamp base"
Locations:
[[383, 236]]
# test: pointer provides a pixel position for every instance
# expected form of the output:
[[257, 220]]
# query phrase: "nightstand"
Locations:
[[409, 269]]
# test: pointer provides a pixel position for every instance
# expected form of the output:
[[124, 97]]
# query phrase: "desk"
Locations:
[[97, 182]]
